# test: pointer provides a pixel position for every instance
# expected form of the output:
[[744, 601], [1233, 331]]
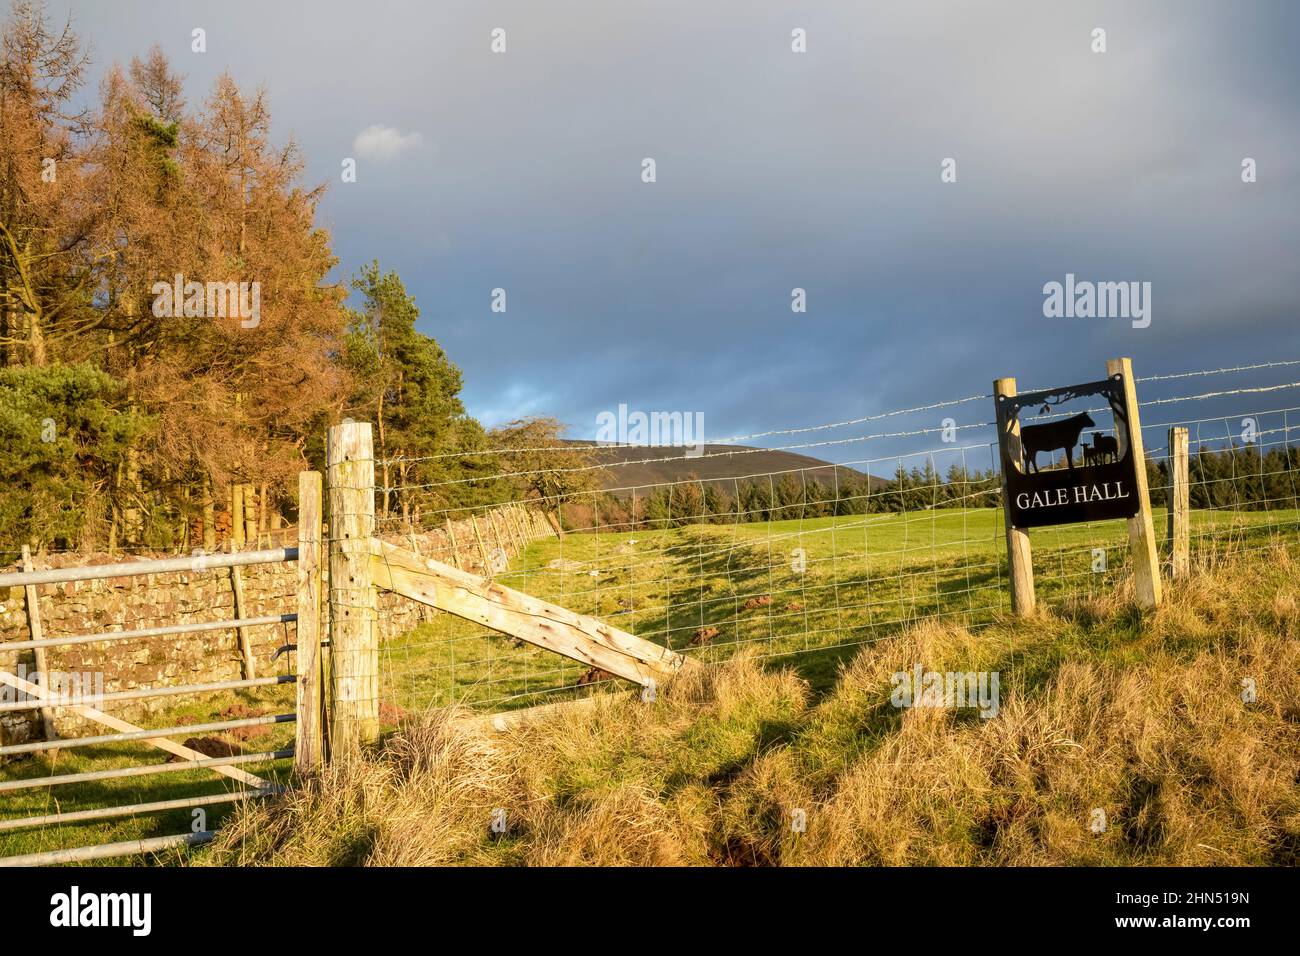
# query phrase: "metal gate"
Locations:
[[50, 700]]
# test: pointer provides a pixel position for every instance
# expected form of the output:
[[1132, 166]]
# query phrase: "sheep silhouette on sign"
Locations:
[[1053, 435], [1103, 447]]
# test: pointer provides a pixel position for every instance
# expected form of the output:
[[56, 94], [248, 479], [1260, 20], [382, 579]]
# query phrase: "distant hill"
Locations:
[[718, 462]]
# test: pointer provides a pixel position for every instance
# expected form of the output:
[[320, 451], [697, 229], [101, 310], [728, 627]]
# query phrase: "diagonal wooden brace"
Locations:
[[578, 636]]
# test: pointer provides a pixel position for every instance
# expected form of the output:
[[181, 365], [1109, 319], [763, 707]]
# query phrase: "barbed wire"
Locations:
[[821, 444], [580, 446], [1218, 371]]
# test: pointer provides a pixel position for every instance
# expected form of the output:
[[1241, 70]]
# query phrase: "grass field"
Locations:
[[867, 578]]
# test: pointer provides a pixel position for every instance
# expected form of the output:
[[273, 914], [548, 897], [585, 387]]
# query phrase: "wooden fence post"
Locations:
[[512, 540], [455, 548], [209, 516], [496, 530], [516, 530], [353, 600], [482, 550], [37, 634], [245, 641], [237, 517], [1020, 560], [1179, 497], [250, 516], [309, 745], [1141, 528]]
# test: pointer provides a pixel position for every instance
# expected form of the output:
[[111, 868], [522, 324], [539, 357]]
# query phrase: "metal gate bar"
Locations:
[[102, 813], [106, 850], [197, 562], [141, 771], [40, 745], [150, 632], [147, 692]]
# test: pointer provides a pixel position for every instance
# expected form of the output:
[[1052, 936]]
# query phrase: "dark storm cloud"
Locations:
[[778, 170]]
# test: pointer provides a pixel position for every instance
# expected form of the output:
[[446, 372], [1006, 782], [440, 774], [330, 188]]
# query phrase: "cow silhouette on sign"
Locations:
[[1050, 436]]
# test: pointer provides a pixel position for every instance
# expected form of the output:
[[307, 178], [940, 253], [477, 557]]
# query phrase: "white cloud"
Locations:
[[383, 142]]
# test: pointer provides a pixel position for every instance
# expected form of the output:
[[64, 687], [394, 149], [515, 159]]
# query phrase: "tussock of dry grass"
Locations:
[[420, 801], [1100, 708]]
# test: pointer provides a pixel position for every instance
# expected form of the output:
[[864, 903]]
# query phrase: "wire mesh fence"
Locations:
[[809, 562]]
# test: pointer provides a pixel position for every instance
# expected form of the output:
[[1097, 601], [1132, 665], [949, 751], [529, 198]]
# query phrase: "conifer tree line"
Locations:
[[132, 418], [813, 493], [1241, 477]]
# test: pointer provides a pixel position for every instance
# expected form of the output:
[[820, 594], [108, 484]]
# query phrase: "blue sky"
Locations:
[[778, 170]]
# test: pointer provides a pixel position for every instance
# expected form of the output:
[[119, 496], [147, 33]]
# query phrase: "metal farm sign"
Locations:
[[1096, 477]]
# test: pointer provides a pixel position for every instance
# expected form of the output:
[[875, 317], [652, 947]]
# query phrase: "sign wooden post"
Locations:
[[1179, 495], [309, 745], [353, 600], [1141, 529], [1020, 563]]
